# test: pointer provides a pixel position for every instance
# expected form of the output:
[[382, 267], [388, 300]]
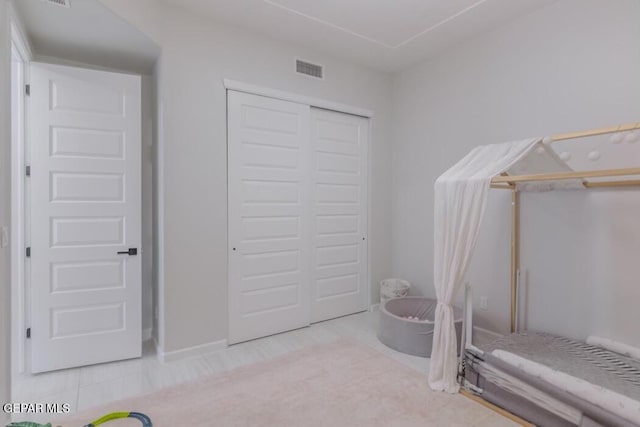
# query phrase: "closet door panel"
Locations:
[[339, 168], [269, 211]]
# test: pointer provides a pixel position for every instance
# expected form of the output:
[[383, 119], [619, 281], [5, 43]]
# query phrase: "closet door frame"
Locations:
[[300, 99], [238, 86]]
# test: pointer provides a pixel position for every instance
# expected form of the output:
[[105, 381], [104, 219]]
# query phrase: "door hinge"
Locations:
[[28, 171], [27, 89], [29, 252], [28, 332]]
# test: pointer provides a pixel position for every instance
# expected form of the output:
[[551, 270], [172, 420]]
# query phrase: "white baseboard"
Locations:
[[374, 307], [172, 356], [147, 334]]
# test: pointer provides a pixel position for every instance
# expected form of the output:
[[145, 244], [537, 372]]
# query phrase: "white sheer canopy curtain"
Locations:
[[460, 199]]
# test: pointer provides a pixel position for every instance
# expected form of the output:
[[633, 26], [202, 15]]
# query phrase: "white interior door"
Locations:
[[268, 156], [339, 214], [85, 209]]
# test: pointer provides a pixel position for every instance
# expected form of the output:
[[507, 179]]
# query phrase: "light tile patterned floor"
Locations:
[[95, 385]]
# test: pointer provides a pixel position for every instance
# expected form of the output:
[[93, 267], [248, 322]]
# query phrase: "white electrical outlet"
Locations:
[[4, 236], [484, 303]]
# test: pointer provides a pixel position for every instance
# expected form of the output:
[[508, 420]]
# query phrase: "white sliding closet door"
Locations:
[[339, 214], [268, 160]]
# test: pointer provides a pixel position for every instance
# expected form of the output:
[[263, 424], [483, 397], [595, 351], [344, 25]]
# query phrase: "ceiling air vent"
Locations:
[[63, 3], [309, 69]]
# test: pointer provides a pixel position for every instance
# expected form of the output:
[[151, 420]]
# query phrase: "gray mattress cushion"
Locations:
[[593, 364]]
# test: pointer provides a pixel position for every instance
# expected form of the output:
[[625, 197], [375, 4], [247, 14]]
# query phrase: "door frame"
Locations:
[[300, 99], [318, 103], [19, 203]]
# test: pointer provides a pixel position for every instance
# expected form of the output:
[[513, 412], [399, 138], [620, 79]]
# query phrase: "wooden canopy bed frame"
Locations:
[[481, 363], [508, 182]]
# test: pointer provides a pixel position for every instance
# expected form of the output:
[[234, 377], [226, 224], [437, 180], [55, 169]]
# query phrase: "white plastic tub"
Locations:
[[412, 336], [393, 288]]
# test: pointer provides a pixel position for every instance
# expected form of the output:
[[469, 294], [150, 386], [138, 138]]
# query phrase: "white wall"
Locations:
[[157, 274], [196, 55], [147, 203], [5, 205], [571, 66]]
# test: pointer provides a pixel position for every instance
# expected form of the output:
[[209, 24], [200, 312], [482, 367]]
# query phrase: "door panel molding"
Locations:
[[339, 214], [85, 194]]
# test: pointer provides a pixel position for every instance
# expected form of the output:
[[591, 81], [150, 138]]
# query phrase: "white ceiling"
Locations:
[[385, 34], [86, 32]]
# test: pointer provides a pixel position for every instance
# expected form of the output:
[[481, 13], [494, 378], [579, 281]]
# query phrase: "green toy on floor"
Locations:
[[145, 420]]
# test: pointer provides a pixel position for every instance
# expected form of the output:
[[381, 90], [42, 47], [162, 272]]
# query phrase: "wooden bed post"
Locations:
[[515, 254]]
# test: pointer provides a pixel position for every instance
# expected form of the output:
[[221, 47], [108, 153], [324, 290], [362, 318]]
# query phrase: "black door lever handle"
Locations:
[[131, 251]]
